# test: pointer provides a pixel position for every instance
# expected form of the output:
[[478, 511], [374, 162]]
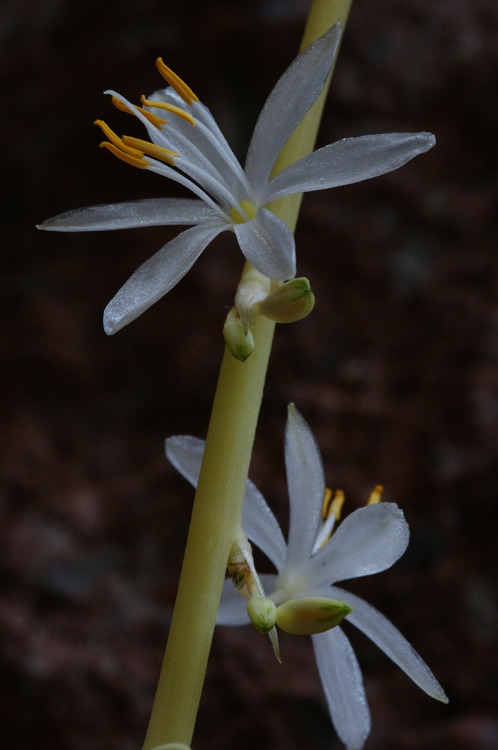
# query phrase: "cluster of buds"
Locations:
[[258, 295]]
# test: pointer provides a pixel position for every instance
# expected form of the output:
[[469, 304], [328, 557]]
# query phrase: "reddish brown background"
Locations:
[[396, 371]]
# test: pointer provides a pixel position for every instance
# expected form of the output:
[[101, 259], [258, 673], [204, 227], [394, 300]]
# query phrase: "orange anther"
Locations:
[[176, 82], [170, 108], [375, 495], [164, 154], [133, 160], [116, 140], [326, 503], [153, 119]]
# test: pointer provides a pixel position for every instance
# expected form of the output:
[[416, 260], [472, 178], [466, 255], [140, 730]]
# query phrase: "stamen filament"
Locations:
[[169, 108], [133, 160], [213, 184], [117, 141], [127, 106], [228, 157], [176, 83], [376, 495], [152, 118], [161, 169], [164, 154]]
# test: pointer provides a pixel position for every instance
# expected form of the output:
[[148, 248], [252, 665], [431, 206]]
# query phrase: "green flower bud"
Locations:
[[262, 613], [292, 301], [311, 615], [239, 340]]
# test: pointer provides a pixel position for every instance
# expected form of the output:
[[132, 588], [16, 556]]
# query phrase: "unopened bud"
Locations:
[[311, 615], [239, 340], [262, 613], [292, 301]]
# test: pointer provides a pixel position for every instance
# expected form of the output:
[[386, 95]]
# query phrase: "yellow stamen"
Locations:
[[249, 209], [154, 119], [336, 504], [332, 508], [176, 82], [133, 160], [164, 154], [116, 140], [375, 495], [169, 108], [326, 503]]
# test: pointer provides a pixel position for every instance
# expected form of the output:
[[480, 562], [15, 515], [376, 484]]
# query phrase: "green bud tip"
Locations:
[[262, 613], [291, 302], [311, 615], [239, 340]]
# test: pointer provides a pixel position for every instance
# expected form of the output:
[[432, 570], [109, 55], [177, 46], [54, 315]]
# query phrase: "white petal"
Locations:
[[268, 245], [368, 541], [185, 452], [158, 275], [306, 485], [388, 638], [343, 686], [260, 525], [347, 161], [232, 609], [293, 95], [146, 213]]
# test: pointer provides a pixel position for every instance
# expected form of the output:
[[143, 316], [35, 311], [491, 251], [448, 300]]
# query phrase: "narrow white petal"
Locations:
[[306, 485], [146, 213], [347, 161], [293, 95], [260, 525], [158, 275], [388, 638], [343, 686], [368, 541], [268, 245], [232, 609], [185, 453]]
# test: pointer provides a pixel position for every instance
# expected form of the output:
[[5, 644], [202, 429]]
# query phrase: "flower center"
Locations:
[[248, 208]]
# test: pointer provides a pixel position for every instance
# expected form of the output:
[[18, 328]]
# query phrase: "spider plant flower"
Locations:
[[187, 146], [313, 560]]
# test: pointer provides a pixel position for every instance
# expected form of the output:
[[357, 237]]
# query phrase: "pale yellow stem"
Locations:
[[220, 493]]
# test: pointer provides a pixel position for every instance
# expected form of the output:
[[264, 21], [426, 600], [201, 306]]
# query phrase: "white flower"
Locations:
[[230, 198], [368, 541]]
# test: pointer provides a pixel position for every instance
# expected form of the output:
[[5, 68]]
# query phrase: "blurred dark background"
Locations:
[[396, 371]]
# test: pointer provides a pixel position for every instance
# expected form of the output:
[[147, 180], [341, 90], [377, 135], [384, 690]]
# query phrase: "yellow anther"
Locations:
[[326, 503], [336, 504], [164, 154], [176, 82], [116, 140], [376, 495], [133, 160], [169, 108], [153, 119], [249, 209]]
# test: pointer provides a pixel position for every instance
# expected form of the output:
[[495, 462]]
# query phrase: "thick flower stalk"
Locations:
[[314, 559], [187, 146]]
